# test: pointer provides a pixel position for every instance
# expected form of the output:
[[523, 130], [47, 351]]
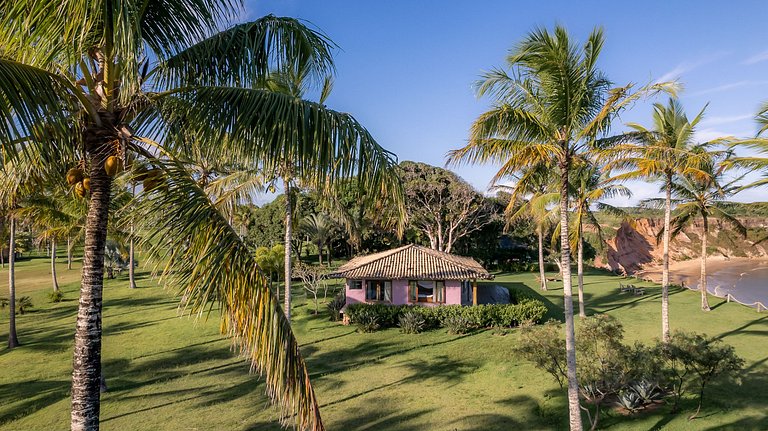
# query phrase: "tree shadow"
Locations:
[[27, 397]]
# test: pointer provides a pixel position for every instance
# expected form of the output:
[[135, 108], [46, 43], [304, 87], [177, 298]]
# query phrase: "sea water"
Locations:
[[745, 280]]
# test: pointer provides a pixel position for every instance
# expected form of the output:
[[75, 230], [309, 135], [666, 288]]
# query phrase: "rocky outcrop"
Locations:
[[635, 245]]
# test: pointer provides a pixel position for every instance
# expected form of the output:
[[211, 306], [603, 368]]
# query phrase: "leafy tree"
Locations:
[[441, 205], [697, 355], [118, 82], [549, 112], [270, 260]]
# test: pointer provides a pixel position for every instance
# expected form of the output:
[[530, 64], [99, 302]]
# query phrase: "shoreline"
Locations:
[[745, 279]]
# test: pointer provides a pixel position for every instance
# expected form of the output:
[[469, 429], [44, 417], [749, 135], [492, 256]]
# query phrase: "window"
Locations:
[[466, 292], [378, 290], [426, 291], [355, 284]]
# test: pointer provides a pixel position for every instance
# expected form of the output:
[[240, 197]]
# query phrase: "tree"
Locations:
[[270, 260], [706, 198], [441, 205], [131, 81], [658, 154], [312, 278], [536, 184], [591, 187], [548, 112], [320, 229]]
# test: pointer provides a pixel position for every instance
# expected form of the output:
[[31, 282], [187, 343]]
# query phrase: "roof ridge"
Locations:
[[383, 255]]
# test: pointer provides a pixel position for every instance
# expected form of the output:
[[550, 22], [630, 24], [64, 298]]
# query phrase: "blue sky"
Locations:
[[405, 69]]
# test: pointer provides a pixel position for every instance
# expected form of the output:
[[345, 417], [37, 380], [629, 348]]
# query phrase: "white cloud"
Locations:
[[757, 58], [685, 67], [726, 87], [714, 121], [709, 134]]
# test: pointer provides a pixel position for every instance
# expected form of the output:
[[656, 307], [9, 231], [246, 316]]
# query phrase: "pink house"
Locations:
[[412, 274]]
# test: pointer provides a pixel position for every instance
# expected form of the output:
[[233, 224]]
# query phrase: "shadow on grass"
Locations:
[[27, 397]]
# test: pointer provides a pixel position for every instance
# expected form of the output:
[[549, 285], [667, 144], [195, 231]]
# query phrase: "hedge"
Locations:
[[479, 316]]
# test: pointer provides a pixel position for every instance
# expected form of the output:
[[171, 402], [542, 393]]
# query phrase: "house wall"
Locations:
[[400, 293]]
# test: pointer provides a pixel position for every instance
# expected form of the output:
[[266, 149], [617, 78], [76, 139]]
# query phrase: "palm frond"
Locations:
[[244, 54], [208, 260]]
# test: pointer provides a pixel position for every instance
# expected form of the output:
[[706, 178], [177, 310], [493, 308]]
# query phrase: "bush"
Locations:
[[56, 296], [481, 316], [412, 322], [457, 324], [335, 305], [23, 304], [367, 321], [631, 377]]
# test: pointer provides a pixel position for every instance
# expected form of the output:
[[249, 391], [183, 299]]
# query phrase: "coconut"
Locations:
[[112, 165], [80, 190], [87, 184], [74, 176], [152, 179]]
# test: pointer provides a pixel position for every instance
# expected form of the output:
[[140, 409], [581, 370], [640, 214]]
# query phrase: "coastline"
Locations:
[[745, 279]]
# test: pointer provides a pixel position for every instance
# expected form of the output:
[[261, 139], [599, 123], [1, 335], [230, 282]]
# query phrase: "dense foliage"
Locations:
[[473, 317]]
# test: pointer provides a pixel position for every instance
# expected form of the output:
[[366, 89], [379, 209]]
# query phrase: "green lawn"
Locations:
[[172, 373]]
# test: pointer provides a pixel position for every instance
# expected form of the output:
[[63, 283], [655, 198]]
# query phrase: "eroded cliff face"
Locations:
[[635, 245]]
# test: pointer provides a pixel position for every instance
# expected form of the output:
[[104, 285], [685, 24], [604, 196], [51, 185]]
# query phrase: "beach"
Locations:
[[745, 279]]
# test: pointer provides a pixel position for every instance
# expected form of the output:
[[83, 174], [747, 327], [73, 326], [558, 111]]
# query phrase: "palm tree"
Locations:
[[320, 228], [705, 197], [117, 82], [659, 154], [540, 206], [548, 112], [295, 82], [591, 188]]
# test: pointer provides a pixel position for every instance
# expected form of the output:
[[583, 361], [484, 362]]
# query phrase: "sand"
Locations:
[[745, 279]]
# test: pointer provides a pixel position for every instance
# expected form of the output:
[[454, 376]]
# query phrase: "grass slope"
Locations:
[[167, 372]]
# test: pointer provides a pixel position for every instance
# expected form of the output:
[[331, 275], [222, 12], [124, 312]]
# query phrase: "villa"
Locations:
[[412, 274]]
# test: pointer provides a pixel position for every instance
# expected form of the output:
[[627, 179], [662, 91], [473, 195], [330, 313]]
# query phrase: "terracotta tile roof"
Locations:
[[412, 262]]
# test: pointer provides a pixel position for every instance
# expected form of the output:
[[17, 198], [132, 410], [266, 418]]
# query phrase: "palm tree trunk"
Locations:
[[665, 261], [13, 339], [53, 265], [703, 281], [541, 259], [574, 409], [320, 253], [131, 258], [86, 376], [581, 271], [288, 237], [69, 253], [131, 263]]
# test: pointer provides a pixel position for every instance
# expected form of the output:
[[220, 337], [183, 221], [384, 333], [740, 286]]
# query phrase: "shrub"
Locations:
[[481, 316], [412, 322], [457, 324], [23, 304], [335, 305], [367, 321], [56, 296]]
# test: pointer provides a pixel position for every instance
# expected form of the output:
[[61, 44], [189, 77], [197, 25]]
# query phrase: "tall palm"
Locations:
[[705, 197], [548, 112], [294, 81], [591, 188], [537, 201], [658, 154], [115, 82]]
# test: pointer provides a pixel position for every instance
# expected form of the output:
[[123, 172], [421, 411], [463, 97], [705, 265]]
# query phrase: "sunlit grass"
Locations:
[[171, 373]]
